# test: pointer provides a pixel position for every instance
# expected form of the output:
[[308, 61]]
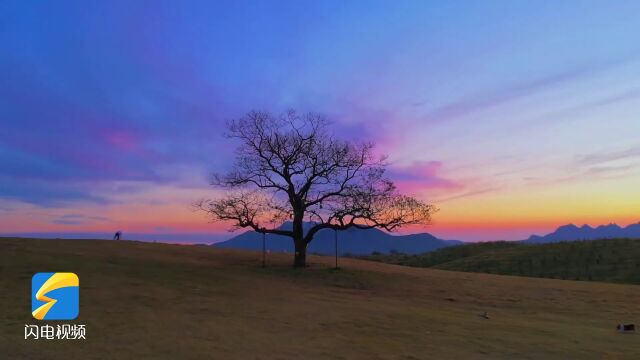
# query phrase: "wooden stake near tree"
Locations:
[[290, 167]]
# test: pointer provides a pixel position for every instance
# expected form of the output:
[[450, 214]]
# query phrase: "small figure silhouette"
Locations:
[[117, 236]]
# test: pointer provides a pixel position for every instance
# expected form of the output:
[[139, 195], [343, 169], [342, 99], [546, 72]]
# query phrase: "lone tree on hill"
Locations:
[[290, 167]]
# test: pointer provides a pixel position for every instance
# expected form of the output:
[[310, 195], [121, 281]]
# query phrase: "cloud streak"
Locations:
[[517, 91], [78, 219], [604, 157], [422, 176]]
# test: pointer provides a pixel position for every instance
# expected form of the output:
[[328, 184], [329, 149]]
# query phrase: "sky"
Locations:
[[511, 117]]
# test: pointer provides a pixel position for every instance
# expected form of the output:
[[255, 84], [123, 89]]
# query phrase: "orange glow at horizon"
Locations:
[[512, 212]]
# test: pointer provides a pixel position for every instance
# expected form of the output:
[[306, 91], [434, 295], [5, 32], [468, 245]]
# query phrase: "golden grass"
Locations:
[[158, 301]]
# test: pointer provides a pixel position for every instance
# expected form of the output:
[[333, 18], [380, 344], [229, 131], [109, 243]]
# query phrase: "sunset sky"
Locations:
[[512, 117]]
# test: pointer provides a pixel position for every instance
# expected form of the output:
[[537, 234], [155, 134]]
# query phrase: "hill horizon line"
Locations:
[[210, 238]]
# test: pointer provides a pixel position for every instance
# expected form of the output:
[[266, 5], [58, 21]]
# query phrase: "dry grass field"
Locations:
[[158, 301]]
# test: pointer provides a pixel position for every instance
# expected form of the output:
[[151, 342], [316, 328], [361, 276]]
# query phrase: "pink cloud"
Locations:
[[422, 175], [121, 140]]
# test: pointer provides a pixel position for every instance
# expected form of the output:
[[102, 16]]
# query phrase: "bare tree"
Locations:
[[289, 167]]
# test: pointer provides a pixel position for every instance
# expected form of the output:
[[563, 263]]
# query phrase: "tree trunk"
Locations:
[[300, 257]]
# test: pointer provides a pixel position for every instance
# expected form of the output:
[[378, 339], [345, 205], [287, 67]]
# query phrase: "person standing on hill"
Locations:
[[118, 235]]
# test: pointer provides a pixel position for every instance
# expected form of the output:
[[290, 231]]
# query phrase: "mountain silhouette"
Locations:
[[352, 241], [585, 232]]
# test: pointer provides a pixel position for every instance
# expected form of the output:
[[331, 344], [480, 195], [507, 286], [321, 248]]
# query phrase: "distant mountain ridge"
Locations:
[[353, 241], [572, 232]]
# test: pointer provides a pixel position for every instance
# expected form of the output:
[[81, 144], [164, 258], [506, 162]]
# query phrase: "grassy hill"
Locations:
[[158, 301], [598, 260]]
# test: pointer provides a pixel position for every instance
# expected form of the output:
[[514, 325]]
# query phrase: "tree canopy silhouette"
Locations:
[[290, 168]]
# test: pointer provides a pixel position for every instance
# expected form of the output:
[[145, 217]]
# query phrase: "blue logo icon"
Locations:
[[55, 296]]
